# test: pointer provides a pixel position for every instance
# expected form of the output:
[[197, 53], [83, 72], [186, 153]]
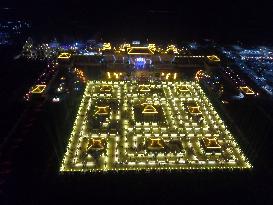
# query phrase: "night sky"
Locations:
[[172, 20]]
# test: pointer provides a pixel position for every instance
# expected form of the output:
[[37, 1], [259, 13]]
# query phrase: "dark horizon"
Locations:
[[227, 23]]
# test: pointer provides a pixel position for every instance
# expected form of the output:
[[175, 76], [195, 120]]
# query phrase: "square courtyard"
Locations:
[[129, 125]]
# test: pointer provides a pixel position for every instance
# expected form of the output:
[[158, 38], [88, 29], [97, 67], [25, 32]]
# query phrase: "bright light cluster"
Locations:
[[124, 125], [140, 50], [64, 56], [172, 48], [214, 58], [80, 74], [246, 90], [38, 89], [106, 46], [114, 75], [168, 76]]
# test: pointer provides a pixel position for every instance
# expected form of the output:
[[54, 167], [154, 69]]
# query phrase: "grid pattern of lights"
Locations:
[[168, 138]]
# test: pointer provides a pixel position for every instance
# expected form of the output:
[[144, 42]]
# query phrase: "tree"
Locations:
[[28, 50]]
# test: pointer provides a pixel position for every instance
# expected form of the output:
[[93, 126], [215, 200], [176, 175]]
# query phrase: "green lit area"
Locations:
[[125, 125]]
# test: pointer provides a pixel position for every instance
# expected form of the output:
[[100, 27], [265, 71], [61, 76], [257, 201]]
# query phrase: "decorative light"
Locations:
[[149, 109], [247, 90], [119, 151], [140, 50], [38, 89], [214, 58], [64, 56], [106, 46], [102, 110]]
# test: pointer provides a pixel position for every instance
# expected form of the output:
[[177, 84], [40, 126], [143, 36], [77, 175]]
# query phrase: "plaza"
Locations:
[[152, 125]]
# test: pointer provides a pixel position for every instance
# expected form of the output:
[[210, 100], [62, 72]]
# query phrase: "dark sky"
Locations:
[[153, 19]]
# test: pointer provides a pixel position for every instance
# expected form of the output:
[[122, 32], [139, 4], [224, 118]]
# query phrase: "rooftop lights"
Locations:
[[152, 47], [38, 89], [172, 48], [183, 88], [155, 143], [144, 88], [124, 47], [211, 144], [214, 58], [247, 90], [106, 88], [149, 109], [194, 110], [102, 110], [116, 75], [95, 144], [64, 56], [106, 46], [169, 75], [140, 51]]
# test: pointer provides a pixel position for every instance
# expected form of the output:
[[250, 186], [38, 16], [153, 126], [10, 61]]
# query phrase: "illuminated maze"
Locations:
[[123, 125]]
